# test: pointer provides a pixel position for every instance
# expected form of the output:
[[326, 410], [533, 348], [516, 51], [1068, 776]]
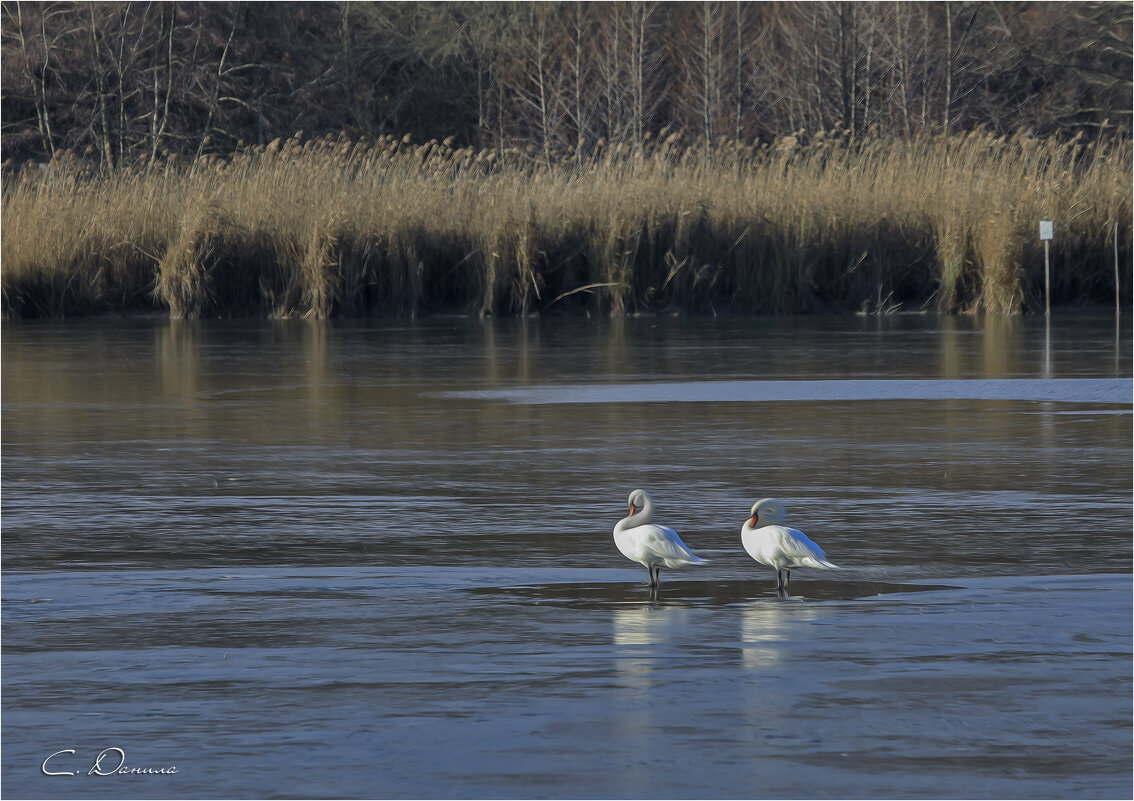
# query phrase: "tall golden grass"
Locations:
[[331, 227]]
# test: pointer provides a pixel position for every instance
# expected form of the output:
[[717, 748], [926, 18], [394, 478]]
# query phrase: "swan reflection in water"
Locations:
[[647, 624], [645, 640], [766, 629], [636, 630]]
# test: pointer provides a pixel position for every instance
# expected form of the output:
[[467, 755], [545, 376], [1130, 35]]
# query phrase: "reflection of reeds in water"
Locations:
[[178, 347], [332, 227], [1001, 347], [315, 361]]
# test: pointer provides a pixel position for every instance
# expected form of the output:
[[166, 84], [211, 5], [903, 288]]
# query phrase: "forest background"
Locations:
[[101, 92]]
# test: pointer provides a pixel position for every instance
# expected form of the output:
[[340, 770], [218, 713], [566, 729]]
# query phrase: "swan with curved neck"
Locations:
[[768, 541], [649, 544]]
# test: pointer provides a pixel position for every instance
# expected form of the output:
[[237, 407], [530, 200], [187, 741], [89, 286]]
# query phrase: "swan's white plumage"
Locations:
[[768, 541], [783, 547], [649, 544], [655, 545]]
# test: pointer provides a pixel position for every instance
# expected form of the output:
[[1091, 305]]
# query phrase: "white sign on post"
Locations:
[[1047, 229]]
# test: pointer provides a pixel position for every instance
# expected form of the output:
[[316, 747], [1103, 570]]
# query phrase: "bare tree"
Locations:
[[214, 97], [132, 80], [32, 35], [159, 119]]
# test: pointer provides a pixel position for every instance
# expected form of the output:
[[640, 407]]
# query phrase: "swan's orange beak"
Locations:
[[754, 519], [633, 508]]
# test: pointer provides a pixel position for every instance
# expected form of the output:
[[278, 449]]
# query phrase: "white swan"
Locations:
[[648, 544], [771, 543]]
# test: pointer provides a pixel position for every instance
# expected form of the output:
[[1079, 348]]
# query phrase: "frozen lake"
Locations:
[[374, 559]]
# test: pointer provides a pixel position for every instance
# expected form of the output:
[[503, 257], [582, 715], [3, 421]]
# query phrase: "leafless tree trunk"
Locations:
[[818, 71], [100, 81], [216, 84], [848, 63], [579, 30], [738, 86], [41, 100], [612, 73], [541, 84], [902, 62], [948, 65], [708, 73], [638, 15], [36, 66], [158, 128]]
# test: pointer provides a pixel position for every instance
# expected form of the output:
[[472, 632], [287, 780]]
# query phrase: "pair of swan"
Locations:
[[764, 536]]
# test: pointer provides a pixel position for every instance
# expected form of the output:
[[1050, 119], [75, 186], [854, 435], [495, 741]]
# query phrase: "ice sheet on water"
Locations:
[[1061, 390]]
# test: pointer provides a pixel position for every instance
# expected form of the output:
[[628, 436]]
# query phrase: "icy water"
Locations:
[[368, 559]]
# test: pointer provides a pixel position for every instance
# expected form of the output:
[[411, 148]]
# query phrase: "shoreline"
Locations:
[[1065, 311]]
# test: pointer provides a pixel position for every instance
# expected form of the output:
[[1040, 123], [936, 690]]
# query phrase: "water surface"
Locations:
[[374, 559]]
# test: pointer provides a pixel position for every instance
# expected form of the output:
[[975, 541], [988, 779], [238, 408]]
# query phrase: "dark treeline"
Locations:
[[128, 83]]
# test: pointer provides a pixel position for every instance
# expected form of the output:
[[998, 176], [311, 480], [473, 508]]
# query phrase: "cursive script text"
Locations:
[[109, 762]]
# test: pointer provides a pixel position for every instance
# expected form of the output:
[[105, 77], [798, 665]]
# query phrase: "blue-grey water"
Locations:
[[374, 559]]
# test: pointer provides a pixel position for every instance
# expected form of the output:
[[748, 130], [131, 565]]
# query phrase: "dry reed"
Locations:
[[331, 227]]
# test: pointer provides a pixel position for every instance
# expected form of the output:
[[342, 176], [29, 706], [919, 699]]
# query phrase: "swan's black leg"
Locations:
[[782, 582], [787, 579], [658, 582]]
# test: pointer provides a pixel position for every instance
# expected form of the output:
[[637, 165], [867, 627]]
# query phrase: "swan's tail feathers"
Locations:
[[686, 560], [822, 564]]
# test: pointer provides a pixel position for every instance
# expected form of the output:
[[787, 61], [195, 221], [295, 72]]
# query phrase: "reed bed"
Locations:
[[331, 227]]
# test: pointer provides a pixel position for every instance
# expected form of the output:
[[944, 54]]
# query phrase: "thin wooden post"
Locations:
[[1047, 231], [1047, 277], [1047, 347], [1116, 303]]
